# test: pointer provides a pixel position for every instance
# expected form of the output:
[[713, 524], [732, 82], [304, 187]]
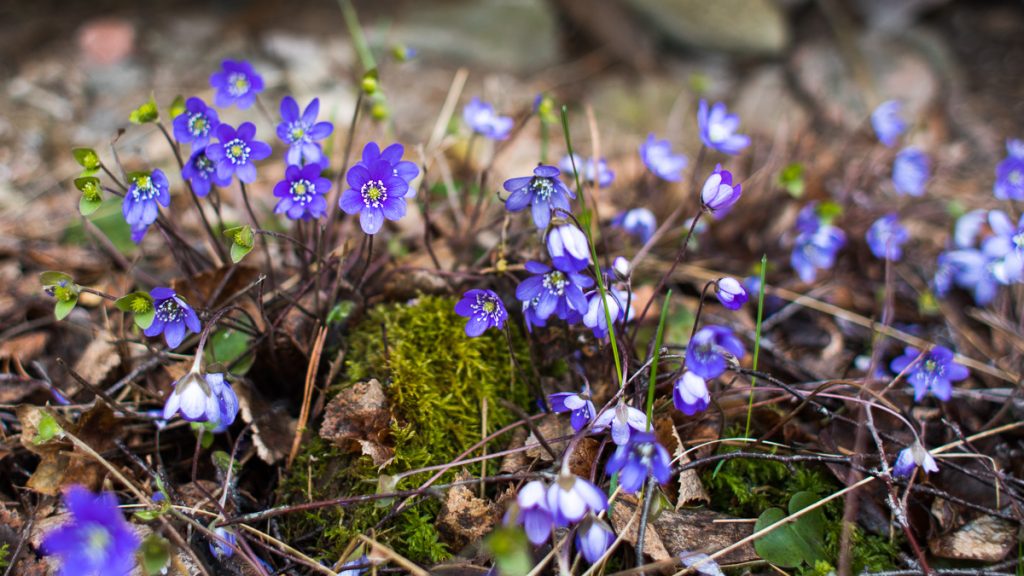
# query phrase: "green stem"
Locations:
[[757, 341], [356, 31], [654, 362]]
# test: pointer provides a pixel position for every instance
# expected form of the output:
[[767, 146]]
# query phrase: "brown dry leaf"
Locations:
[[26, 347], [358, 419], [987, 539], [691, 489], [48, 476], [550, 426], [198, 289], [15, 391], [673, 532], [99, 359], [464, 518], [517, 461], [272, 427]]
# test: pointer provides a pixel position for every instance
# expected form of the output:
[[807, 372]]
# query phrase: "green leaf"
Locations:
[[226, 346], [341, 311], [86, 158], [53, 278], [177, 107], [155, 554], [242, 241], [791, 178], [47, 429], [64, 307], [149, 515], [87, 206], [146, 113], [140, 306], [777, 546], [810, 528], [511, 551], [829, 211], [239, 252]]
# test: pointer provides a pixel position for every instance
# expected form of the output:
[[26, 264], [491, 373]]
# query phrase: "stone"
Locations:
[[756, 27]]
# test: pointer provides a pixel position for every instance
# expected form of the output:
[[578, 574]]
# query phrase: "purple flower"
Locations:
[[579, 404], [816, 245], [690, 394], [203, 398], [593, 537], [624, 420], [201, 172], [355, 567], [886, 238], [404, 169], [638, 222], [718, 194], [484, 310], [969, 269], [301, 132], [236, 151], [701, 563], [236, 83], [887, 122], [1009, 183], [705, 352], [622, 268], [544, 192], [730, 293], [196, 124], [571, 497], [643, 456], [557, 292], [531, 511], [659, 159], [568, 248], [911, 457], [935, 372], [481, 119], [223, 548], [302, 193], [1005, 247], [97, 540], [910, 171], [376, 189], [593, 173], [146, 193], [530, 315], [173, 318], [594, 317], [718, 129]]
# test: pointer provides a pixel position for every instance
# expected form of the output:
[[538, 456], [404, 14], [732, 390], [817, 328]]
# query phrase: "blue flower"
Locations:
[[356, 567], [236, 83], [222, 548], [816, 245], [201, 172], [557, 292], [1009, 183], [571, 497], [301, 132], [910, 458], [690, 394], [236, 151], [659, 159], [531, 511], [376, 190], [593, 537], [203, 398], [910, 171], [404, 169], [934, 373], [969, 269], [173, 318], [302, 193], [484, 310], [481, 119], [718, 194], [590, 172], [887, 122], [643, 456], [568, 248], [886, 238], [97, 541], [718, 129], [544, 191], [196, 124], [146, 193], [705, 353], [638, 222], [1005, 247], [624, 421], [579, 404], [530, 315], [730, 293], [594, 317]]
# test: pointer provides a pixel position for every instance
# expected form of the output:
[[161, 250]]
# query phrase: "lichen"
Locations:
[[436, 380]]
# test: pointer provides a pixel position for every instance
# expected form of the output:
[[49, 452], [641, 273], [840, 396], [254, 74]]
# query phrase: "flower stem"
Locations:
[[654, 364], [757, 341], [256, 224]]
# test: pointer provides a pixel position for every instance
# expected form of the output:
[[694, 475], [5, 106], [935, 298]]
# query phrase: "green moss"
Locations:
[[746, 488], [436, 380]]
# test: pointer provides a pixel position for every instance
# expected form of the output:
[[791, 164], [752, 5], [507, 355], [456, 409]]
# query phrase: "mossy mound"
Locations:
[[436, 380]]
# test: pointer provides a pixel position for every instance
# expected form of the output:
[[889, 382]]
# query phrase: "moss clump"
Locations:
[[436, 380], [746, 488]]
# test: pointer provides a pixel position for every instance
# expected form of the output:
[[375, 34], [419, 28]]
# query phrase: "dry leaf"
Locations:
[[358, 419], [464, 518], [99, 359], [691, 489], [272, 427], [550, 426], [25, 347], [987, 539]]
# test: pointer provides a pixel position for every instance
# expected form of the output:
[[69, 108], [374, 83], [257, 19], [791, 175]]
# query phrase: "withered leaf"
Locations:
[[464, 518], [272, 427], [691, 489], [358, 419], [986, 539]]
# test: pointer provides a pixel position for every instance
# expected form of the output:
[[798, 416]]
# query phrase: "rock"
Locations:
[[735, 26], [987, 539], [514, 35]]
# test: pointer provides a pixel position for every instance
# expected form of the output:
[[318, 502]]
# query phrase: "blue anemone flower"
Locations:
[[641, 457], [376, 191], [658, 157], [544, 192], [886, 238], [934, 373], [705, 353], [236, 150], [300, 133], [483, 120], [718, 129], [196, 124], [557, 292], [97, 540], [302, 193], [910, 171], [484, 309], [146, 193], [887, 122], [236, 83], [1009, 183], [173, 317], [201, 172]]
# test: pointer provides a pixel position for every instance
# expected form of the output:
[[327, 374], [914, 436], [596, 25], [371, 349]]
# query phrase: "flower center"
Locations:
[[1016, 177], [1018, 240], [197, 124], [374, 193], [555, 282], [144, 189], [238, 84], [169, 311], [487, 307], [238, 151], [543, 188], [97, 541], [717, 133], [297, 131], [303, 190], [203, 165]]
